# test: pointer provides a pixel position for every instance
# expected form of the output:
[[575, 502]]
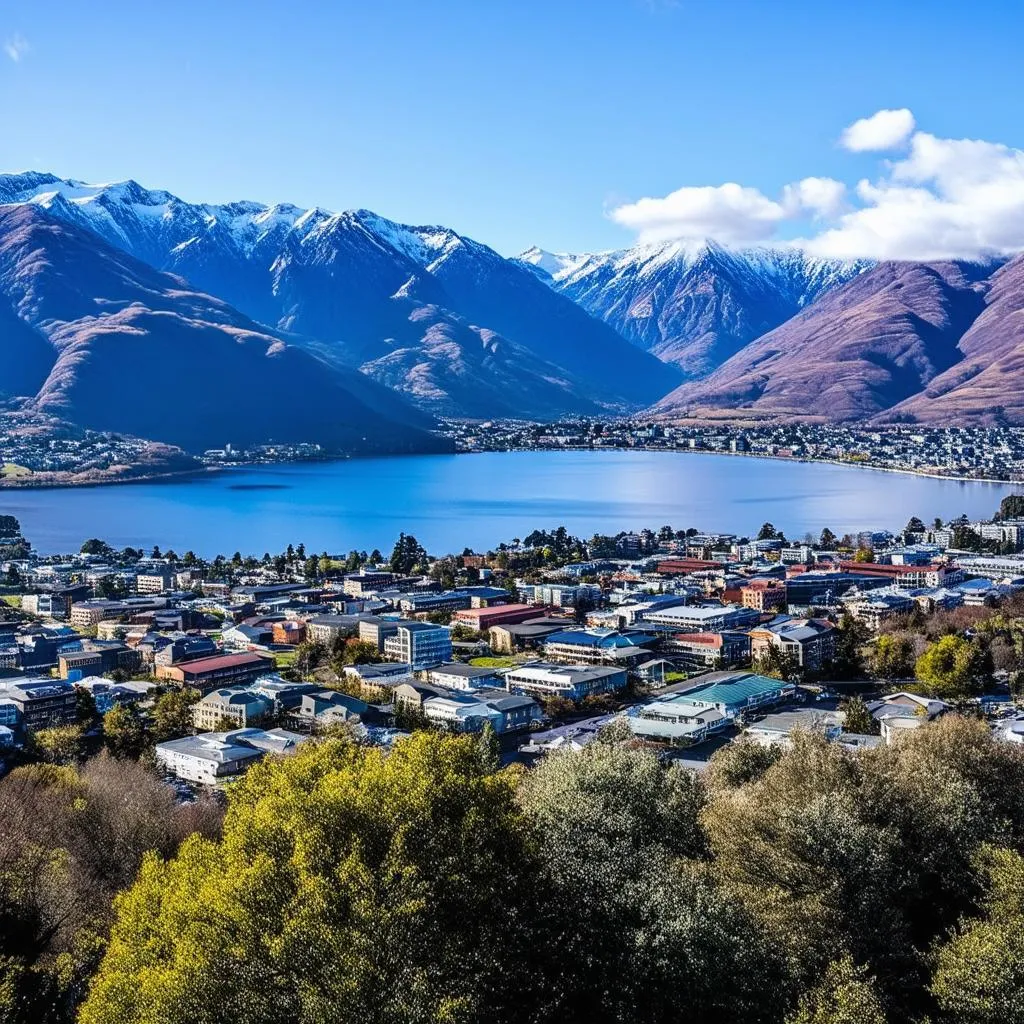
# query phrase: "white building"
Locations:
[[211, 756]]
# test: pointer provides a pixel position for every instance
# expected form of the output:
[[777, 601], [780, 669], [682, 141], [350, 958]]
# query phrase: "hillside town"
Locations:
[[675, 640], [989, 453]]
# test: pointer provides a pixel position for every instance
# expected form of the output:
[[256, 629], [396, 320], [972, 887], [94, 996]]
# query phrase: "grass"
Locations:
[[285, 659], [508, 661], [13, 469], [14, 600]]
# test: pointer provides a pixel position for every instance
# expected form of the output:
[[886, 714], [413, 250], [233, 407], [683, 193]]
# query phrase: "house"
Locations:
[[235, 705], [207, 673], [897, 713], [420, 644], [455, 675], [325, 708], [570, 681], [777, 729], [212, 756], [810, 642]]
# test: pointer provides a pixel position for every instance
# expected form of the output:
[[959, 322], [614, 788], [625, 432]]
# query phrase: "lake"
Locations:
[[450, 502]]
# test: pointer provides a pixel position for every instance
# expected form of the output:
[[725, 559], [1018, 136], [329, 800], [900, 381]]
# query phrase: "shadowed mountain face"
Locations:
[[872, 344], [693, 306], [331, 281], [134, 350]]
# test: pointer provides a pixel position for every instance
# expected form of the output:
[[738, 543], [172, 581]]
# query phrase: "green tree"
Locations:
[[124, 731], [408, 554], [857, 718], [892, 657], [864, 554], [951, 668], [95, 546], [767, 532], [60, 744], [827, 540], [349, 885], [851, 636], [490, 748], [172, 714], [846, 995], [979, 975]]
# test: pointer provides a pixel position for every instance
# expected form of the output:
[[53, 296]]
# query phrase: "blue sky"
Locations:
[[518, 123]]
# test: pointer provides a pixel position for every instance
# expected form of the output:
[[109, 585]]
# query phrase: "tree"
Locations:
[[864, 554], [95, 546], [490, 748], [777, 663], [827, 540], [389, 884], [951, 668], [172, 714], [407, 555], [767, 532], [60, 744], [979, 976], [857, 718], [892, 657], [846, 995], [851, 636], [124, 732], [155, 553], [914, 525]]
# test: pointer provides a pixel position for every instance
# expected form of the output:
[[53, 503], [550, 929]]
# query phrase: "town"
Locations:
[[675, 640], [990, 453]]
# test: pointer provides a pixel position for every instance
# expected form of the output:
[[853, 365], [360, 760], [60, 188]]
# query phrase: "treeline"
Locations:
[[810, 886]]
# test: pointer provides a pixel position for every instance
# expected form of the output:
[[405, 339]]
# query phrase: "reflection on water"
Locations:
[[455, 501]]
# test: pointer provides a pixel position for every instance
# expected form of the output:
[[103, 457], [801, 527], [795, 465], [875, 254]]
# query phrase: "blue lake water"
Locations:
[[455, 501]]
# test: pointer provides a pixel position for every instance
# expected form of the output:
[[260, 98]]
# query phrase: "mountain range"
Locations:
[[129, 309]]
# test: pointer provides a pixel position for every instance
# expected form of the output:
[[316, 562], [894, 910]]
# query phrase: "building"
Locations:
[[457, 676], [764, 595], [560, 595], [778, 728], [898, 713], [211, 756], [810, 642], [185, 648], [875, 608], [232, 708], [289, 632], [326, 708], [702, 618], [521, 636], [375, 630], [377, 682], [225, 669], [424, 604], [598, 647], [678, 724], [497, 615], [573, 682], [153, 582], [325, 629], [696, 652], [464, 712], [47, 606], [732, 693], [420, 644], [42, 703], [89, 613]]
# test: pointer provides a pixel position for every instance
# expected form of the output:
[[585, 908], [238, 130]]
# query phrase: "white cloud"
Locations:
[[949, 198], [883, 130], [940, 199], [16, 47], [728, 213], [821, 197]]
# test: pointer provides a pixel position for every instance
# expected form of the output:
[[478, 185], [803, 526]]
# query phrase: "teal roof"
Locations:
[[733, 691]]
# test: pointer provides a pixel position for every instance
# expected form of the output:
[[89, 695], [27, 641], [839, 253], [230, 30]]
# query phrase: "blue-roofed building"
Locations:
[[599, 647], [732, 693]]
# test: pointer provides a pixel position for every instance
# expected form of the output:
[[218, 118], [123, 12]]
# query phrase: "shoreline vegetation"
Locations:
[[123, 475]]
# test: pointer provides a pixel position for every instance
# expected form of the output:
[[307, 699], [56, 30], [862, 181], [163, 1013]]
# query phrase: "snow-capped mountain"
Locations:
[[353, 286], [692, 303]]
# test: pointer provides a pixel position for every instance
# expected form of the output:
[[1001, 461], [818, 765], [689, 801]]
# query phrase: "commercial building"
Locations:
[[497, 615], [702, 618], [42, 703], [811, 642], [701, 651], [458, 676], [732, 693], [211, 756], [598, 647], [763, 595], [207, 673], [235, 705], [571, 681], [420, 644]]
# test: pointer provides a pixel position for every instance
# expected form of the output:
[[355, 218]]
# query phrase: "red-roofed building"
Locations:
[[684, 566], [934, 575], [499, 615], [208, 673], [700, 651]]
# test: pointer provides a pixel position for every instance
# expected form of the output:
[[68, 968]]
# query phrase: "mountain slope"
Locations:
[[857, 351], [694, 305], [329, 279], [138, 351]]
